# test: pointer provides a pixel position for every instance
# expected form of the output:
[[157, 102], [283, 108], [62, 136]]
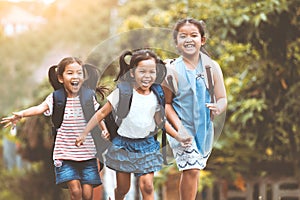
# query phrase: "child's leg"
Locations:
[[87, 192], [123, 185], [75, 189], [189, 184], [146, 186]]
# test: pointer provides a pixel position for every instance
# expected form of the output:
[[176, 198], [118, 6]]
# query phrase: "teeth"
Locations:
[[74, 83], [189, 45]]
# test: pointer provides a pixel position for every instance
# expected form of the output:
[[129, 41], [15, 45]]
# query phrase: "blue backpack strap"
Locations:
[[59, 104], [158, 91]]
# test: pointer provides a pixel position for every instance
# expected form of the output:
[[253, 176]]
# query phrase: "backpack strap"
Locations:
[[158, 91], [87, 96], [114, 119], [125, 98], [59, 104], [210, 83]]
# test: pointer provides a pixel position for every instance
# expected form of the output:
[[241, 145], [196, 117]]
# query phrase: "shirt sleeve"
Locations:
[[49, 102], [113, 98]]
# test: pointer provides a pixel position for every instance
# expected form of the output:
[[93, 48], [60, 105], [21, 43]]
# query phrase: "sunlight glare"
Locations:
[[44, 1]]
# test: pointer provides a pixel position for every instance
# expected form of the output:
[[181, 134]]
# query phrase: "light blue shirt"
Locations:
[[189, 104]]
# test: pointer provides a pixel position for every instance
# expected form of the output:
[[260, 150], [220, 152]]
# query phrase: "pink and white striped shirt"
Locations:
[[72, 126]]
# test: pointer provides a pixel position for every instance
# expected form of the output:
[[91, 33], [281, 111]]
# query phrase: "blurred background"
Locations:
[[256, 43]]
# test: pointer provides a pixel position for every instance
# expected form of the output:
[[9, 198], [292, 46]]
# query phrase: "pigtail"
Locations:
[[53, 77], [124, 67]]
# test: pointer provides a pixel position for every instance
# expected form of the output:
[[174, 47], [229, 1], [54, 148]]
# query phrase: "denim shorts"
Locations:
[[84, 171]]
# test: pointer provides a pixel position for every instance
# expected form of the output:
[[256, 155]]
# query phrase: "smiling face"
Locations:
[[72, 78], [144, 75], [189, 40]]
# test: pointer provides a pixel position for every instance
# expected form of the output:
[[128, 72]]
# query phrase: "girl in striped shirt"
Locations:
[[75, 167]]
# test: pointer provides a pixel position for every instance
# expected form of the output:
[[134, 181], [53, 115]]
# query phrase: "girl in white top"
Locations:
[[134, 149]]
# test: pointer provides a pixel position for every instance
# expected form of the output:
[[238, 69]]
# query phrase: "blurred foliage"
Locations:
[[72, 28], [257, 45]]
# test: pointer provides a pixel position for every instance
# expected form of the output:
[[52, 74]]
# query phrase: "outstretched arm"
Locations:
[[96, 119], [35, 110]]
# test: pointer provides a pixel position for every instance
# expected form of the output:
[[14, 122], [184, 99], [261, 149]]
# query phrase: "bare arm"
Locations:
[[96, 119], [171, 115], [35, 110]]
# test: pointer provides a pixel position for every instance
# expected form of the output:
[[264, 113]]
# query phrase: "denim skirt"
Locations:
[[138, 156]]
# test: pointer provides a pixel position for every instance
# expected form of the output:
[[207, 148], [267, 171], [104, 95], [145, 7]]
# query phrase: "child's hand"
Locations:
[[12, 120], [105, 134], [79, 141], [185, 141], [214, 108], [184, 137]]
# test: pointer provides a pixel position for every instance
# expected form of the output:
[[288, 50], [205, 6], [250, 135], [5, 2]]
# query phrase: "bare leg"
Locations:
[[146, 186], [75, 190], [87, 192], [189, 184], [123, 185]]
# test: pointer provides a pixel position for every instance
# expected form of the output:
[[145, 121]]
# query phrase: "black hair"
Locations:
[[136, 57], [199, 24], [58, 70], [66, 61]]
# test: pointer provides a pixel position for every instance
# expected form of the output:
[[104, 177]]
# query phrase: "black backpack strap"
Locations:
[[158, 91], [210, 87], [86, 96], [164, 145], [59, 104], [87, 102], [114, 119], [125, 98], [210, 83]]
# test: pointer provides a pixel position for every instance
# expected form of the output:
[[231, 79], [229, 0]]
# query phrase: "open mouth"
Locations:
[[146, 83], [189, 46], [75, 83]]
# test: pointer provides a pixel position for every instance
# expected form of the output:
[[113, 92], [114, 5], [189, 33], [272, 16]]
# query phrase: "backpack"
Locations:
[[114, 119], [86, 96]]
